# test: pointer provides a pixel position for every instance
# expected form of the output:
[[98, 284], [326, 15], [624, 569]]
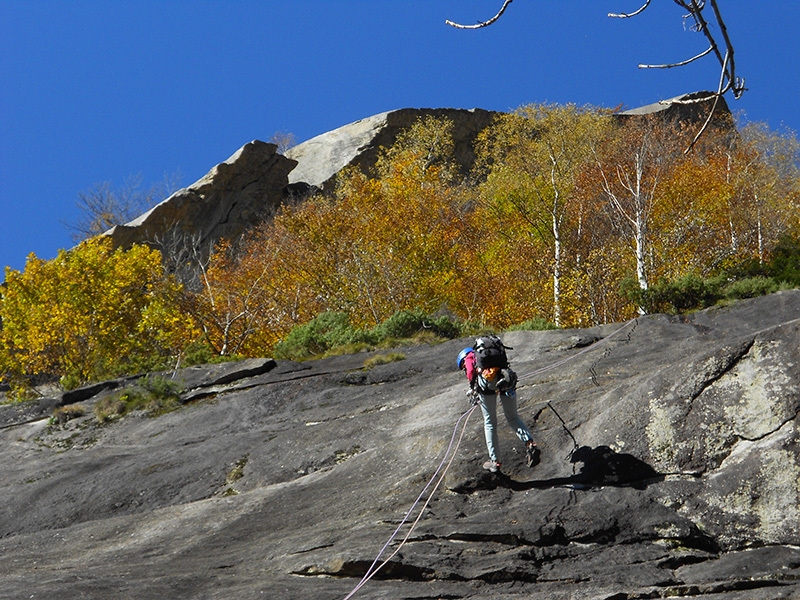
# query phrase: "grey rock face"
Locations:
[[226, 202], [692, 107], [251, 185], [322, 157], [669, 468]]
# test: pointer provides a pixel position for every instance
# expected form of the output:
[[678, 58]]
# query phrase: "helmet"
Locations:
[[461, 356]]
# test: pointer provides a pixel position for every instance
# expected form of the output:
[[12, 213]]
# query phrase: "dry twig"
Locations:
[[482, 23]]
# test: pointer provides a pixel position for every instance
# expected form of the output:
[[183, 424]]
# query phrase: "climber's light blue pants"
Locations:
[[489, 409]]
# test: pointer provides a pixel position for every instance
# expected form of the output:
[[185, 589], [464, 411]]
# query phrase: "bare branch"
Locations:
[[725, 58], [482, 23], [705, 52], [717, 96], [628, 15], [695, 9], [728, 79]]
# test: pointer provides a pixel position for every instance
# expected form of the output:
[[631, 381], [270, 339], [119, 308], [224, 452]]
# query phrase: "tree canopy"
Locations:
[[572, 216]]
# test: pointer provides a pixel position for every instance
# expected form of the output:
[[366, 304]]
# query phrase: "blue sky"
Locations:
[[102, 91]]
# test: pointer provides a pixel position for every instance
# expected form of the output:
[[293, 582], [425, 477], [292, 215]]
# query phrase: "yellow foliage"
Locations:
[[565, 209], [91, 312]]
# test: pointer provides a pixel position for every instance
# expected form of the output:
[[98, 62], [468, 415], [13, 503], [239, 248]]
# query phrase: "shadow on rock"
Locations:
[[602, 466]]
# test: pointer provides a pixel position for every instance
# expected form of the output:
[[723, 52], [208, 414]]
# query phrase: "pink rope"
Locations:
[[372, 569], [576, 355], [465, 417]]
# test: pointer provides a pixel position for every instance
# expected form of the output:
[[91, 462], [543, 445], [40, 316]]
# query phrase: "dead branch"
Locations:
[[696, 11], [628, 15], [705, 52], [482, 23]]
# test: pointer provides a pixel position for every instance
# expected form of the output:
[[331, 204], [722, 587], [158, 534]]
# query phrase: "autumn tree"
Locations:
[[383, 243], [392, 240], [727, 202], [534, 157], [91, 312], [248, 294], [768, 185], [694, 223], [632, 166]]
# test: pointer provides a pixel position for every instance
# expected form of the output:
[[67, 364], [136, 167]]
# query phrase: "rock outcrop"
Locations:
[[235, 195], [322, 157], [256, 180], [251, 185], [693, 107], [670, 468]]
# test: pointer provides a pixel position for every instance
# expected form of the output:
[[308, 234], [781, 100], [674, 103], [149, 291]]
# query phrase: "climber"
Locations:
[[487, 370]]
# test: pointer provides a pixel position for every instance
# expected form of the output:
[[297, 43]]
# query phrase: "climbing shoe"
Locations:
[[491, 465], [531, 453]]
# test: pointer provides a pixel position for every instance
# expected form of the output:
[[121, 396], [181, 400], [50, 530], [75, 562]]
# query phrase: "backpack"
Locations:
[[490, 352]]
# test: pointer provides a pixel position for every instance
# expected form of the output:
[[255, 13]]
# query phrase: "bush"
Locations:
[[331, 331], [446, 327], [408, 323], [317, 337], [750, 288], [690, 292], [784, 263], [153, 395], [160, 388], [402, 324]]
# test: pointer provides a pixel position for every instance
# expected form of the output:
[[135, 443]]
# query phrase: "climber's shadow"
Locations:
[[602, 466]]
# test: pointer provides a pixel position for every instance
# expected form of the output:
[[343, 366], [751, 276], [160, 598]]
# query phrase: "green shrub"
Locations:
[[751, 287], [410, 323], [446, 327], [317, 337], [160, 388], [331, 332], [784, 263], [153, 395], [689, 292], [402, 324]]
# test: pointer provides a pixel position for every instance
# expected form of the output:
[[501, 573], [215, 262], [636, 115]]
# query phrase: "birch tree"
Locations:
[[536, 155], [631, 169]]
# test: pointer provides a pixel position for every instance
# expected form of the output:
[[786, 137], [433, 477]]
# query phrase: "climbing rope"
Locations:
[[594, 346], [452, 448], [373, 569]]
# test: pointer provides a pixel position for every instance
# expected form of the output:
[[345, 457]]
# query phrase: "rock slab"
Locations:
[[670, 468]]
